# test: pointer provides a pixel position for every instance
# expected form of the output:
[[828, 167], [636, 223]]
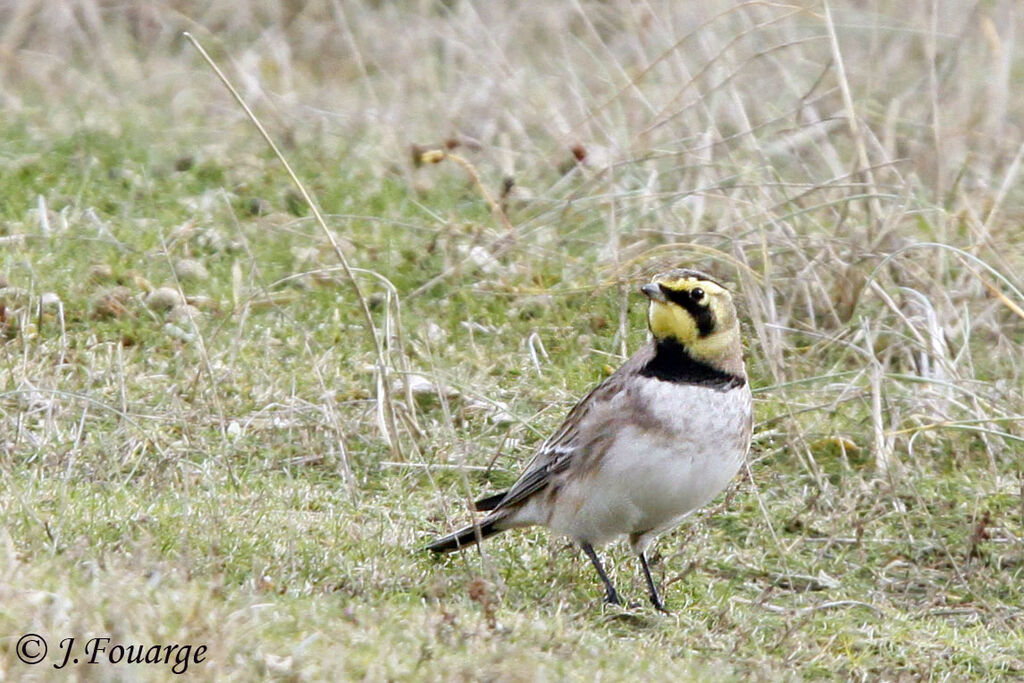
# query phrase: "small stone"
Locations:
[[433, 333], [111, 304], [137, 279], [419, 386], [190, 270], [176, 332], [203, 302], [483, 260], [101, 272], [183, 313], [49, 300], [163, 299]]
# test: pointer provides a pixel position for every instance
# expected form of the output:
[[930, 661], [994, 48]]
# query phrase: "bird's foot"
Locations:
[[659, 605]]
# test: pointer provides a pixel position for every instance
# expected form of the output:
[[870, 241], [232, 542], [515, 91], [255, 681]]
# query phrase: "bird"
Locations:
[[657, 439]]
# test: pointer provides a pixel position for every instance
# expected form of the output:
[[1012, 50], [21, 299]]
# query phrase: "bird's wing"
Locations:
[[565, 446]]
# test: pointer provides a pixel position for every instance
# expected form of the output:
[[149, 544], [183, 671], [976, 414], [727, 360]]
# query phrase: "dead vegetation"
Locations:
[[194, 418]]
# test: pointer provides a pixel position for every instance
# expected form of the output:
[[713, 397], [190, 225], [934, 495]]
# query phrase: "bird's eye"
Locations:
[[697, 294]]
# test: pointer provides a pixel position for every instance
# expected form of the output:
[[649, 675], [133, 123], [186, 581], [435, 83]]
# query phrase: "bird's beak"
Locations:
[[653, 292]]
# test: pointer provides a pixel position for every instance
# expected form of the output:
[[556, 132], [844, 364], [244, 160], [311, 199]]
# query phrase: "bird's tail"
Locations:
[[467, 536], [490, 502]]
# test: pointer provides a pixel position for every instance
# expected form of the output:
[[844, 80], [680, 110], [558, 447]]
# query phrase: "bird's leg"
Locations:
[[610, 596], [655, 598]]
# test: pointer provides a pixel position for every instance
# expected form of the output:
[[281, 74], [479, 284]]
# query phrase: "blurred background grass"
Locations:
[[192, 427]]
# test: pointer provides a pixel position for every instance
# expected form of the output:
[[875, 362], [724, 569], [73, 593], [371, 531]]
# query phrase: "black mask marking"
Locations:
[[703, 315]]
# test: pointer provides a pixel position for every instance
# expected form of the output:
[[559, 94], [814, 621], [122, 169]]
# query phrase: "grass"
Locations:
[[218, 473]]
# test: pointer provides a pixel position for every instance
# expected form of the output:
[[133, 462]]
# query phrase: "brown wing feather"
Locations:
[[562, 448]]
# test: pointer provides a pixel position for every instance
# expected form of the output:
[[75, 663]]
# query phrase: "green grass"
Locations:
[[219, 475]]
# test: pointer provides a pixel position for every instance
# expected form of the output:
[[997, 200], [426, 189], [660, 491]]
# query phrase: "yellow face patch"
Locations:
[[671, 320], [695, 311]]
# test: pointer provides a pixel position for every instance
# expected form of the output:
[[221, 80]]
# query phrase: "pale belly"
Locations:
[[650, 479]]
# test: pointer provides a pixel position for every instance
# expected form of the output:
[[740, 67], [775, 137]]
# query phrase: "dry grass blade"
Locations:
[[194, 418], [383, 389]]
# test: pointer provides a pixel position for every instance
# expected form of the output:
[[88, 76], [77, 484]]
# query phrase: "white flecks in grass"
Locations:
[[176, 475]]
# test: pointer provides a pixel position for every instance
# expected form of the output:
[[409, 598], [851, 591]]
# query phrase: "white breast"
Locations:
[[675, 457]]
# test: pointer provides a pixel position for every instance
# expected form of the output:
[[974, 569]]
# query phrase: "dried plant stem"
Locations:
[[436, 156], [383, 389], [851, 118], [497, 247]]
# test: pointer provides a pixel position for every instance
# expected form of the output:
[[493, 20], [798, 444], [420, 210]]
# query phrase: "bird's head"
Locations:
[[691, 308]]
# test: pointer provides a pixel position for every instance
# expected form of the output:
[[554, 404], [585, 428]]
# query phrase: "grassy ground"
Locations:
[[197, 445]]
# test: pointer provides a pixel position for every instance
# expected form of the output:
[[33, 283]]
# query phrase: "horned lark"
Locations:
[[653, 442]]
